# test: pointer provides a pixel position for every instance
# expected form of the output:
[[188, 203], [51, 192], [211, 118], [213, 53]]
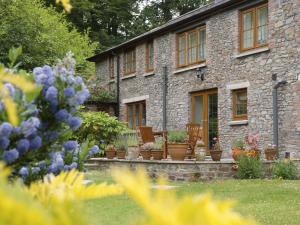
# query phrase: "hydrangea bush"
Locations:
[[39, 144]]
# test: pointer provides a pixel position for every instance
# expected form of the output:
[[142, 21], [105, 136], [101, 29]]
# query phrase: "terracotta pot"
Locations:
[[133, 153], [237, 152], [121, 154], [157, 154], [110, 154], [177, 151], [146, 154], [271, 153], [216, 155]]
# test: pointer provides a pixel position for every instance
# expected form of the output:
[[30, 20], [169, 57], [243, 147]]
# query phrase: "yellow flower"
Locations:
[[66, 4]]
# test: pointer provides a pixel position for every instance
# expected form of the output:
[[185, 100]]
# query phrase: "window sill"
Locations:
[[189, 68], [238, 122], [151, 73], [128, 76], [252, 52], [111, 81]]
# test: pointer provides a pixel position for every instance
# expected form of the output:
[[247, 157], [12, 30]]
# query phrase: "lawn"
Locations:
[[270, 202]]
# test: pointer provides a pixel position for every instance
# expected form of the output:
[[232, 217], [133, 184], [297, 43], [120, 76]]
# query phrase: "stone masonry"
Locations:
[[225, 66]]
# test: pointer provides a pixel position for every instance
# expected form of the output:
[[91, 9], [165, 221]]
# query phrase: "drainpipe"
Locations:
[[275, 109], [118, 87], [165, 90]]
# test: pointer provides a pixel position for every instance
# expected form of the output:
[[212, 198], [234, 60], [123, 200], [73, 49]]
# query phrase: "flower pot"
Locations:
[[216, 155], [146, 154], [157, 154], [133, 153], [121, 154], [236, 153], [200, 153], [110, 154], [271, 153], [177, 151]]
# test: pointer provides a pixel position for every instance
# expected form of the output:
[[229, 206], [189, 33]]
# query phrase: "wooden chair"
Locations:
[[146, 135], [195, 132]]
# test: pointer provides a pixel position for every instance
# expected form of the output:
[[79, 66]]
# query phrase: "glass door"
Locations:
[[205, 112]]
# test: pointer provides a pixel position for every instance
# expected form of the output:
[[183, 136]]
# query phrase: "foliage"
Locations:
[[99, 126], [40, 143], [163, 207], [249, 167], [284, 169], [177, 136], [216, 144], [121, 143], [132, 140], [44, 35]]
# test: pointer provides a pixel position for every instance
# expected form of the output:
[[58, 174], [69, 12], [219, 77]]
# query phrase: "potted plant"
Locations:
[[200, 151], [133, 146], [271, 152], [177, 146], [216, 152], [110, 151], [237, 149], [252, 145], [146, 150], [156, 151], [121, 146]]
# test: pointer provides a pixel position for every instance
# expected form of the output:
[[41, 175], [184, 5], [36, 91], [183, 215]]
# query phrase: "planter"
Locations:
[[236, 153], [200, 153], [177, 151], [157, 154], [271, 153], [121, 154], [146, 154], [110, 154], [216, 155], [253, 153], [133, 153]]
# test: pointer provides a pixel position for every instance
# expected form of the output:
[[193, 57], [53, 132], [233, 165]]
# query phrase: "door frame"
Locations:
[[205, 94]]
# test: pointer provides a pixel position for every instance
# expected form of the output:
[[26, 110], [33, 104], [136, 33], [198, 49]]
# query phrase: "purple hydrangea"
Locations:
[[73, 165], [24, 172], [69, 92], [44, 75], [35, 170], [5, 129], [4, 143], [74, 122], [10, 88], [10, 156], [23, 146], [35, 143], [29, 127], [42, 164], [70, 145], [94, 150], [51, 94], [62, 115], [81, 96]]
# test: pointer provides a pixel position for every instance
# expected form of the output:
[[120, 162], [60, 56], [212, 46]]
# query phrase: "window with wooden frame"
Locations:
[[254, 27], [136, 114], [149, 56], [239, 99], [191, 47], [129, 61], [111, 67]]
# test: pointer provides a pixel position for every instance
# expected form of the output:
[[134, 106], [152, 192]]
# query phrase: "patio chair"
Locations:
[[195, 132], [146, 135]]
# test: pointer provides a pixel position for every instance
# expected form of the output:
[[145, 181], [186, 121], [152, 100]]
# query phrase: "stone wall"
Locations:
[[179, 171], [225, 67]]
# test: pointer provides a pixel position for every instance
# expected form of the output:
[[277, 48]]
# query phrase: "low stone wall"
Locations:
[[178, 170]]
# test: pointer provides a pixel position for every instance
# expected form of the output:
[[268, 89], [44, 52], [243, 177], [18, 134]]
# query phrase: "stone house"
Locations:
[[218, 66]]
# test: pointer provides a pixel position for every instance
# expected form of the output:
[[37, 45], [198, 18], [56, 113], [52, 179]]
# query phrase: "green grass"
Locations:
[[269, 202]]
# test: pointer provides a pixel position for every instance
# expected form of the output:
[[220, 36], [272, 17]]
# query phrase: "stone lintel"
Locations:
[[135, 99], [234, 86]]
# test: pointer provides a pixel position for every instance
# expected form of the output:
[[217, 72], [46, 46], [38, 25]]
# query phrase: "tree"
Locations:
[[43, 33]]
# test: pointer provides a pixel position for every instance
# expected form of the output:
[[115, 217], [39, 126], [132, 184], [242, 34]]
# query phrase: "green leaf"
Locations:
[[13, 55]]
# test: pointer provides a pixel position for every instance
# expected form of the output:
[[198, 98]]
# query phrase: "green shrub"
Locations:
[[177, 136], [99, 126], [249, 168], [284, 169]]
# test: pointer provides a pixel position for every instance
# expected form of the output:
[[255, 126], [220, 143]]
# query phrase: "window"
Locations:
[[136, 114], [150, 56], [191, 47], [129, 61], [254, 27], [111, 67], [240, 104]]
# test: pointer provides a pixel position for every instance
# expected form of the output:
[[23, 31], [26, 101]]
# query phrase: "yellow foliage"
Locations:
[[164, 208], [66, 4]]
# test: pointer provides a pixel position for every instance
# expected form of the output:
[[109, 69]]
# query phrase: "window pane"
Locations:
[[198, 110], [181, 50], [129, 116], [201, 47], [137, 111], [133, 61], [248, 31], [192, 44], [262, 25], [144, 115], [241, 102]]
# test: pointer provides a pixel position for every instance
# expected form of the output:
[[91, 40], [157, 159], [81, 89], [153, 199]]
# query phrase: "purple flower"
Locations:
[[4, 143], [24, 172], [10, 88], [94, 150], [42, 164], [35, 143], [74, 122], [35, 170], [44, 75], [53, 168], [23, 146], [62, 115], [81, 96], [5, 129], [70, 145], [10, 156], [29, 127], [51, 94], [73, 165], [69, 92], [79, 80]]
